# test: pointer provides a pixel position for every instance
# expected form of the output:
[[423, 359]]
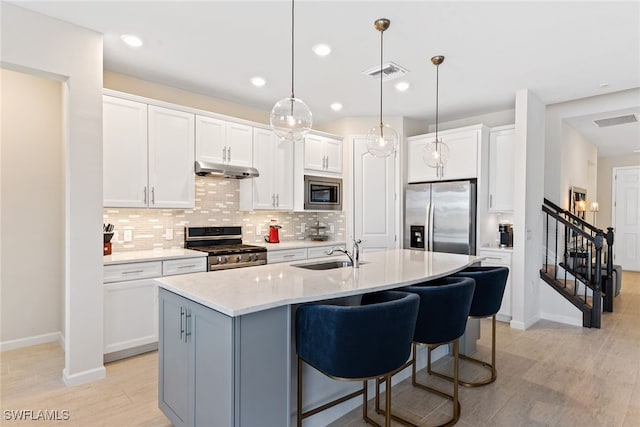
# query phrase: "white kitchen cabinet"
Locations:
[[322, 154], [148, 155], [501, 146], [131, 304], [500, 258], [220, 141], [273, 189], [286, 255], [463, 146]]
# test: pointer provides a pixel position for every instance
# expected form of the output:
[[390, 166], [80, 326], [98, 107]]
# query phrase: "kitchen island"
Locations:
[[226, 349]]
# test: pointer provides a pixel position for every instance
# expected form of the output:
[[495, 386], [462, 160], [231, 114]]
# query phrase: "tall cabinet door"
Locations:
[[125, 153], [501, 146], [283, 173], [171, 158], [263, 194], [239, 144], [211, 139]]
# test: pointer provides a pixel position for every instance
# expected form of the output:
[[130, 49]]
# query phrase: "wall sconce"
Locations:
[[594, 208]]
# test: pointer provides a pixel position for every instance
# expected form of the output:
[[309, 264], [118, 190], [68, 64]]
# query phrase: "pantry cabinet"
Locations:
[[463, 146], [220, 141], [148, 155], [273, 189], [322, 154], [501, 172]]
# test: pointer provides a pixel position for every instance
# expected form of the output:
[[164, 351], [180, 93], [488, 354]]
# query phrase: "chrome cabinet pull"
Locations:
[[273, 200], [490, 200], [187, 335], [133, 272], [224, 154], [277, 200], [186, 266], [145, 194], [181, 324], [229, 154], [153, 195]]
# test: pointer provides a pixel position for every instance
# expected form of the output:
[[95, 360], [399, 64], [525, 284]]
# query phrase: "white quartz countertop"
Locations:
[[236, 292], [151, 255], [296, 244]]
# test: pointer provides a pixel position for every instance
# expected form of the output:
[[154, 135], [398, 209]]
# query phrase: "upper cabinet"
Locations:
[[323, 154], [273, 189], [463, 146], [220, 141], [148, 155], [501, 146]]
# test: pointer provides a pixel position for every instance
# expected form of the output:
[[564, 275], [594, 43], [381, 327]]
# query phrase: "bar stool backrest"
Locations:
[[490, 285]]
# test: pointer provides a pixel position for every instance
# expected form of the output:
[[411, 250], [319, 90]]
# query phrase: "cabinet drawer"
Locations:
[[184, 266], [491, 257], [322, 251], [132, 271], [286, 255]]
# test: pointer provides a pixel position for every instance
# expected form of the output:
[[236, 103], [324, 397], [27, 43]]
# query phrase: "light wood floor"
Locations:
[[549, 375]]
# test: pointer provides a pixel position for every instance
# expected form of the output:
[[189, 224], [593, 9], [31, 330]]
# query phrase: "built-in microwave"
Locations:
[[322, 193]]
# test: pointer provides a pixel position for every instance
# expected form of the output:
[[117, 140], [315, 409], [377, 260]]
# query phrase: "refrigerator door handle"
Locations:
[[430, 213]]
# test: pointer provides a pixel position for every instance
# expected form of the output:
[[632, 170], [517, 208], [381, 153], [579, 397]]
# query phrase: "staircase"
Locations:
[[578, 263]]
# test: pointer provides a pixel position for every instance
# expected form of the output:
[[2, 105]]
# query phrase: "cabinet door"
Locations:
[[130, 314], [283, 173], [463, 155], [125, 153], [171, 158], [500, 260], [314, 153], [239, 144], [334, 155], [418, 171], [211, 138], [211, 342], [501, 145], [262, 187], [174, 393]]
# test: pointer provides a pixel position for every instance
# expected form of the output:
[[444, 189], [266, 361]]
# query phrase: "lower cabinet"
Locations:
[[217, 370], [500, 258], [131, 304], [286, 255]]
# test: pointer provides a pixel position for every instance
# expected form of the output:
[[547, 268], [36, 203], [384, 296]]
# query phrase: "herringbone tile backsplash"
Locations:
[[217, 202]]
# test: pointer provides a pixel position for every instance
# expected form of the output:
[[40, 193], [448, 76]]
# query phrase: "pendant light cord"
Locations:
[[437, 103], [292, 47], [381, 52]]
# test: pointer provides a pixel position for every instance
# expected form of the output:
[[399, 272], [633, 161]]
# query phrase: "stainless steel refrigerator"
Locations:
[[441, 217]]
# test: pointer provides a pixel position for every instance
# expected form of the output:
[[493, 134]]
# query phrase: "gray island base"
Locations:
[[226, 352]]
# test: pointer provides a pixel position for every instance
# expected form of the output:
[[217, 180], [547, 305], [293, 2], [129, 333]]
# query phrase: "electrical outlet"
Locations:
[[303, 227], [168, 233], [258, 230], [331, 228], [128, 235]]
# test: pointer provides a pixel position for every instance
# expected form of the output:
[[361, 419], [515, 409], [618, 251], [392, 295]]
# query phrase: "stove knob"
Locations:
[[239, 258], [219, 260], [226, 258], [251, 257]]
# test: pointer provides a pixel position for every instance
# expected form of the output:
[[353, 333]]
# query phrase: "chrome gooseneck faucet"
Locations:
[[354, 256]]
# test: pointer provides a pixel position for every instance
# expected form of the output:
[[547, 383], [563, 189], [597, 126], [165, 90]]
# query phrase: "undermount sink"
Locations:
[[326, 265]]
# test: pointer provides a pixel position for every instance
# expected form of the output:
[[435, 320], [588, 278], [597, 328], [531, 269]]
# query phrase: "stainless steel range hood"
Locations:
[[225, 171]]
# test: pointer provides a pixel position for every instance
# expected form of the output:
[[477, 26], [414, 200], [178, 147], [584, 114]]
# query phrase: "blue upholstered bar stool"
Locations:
[[442, 319], [356, 343], [487, 298]]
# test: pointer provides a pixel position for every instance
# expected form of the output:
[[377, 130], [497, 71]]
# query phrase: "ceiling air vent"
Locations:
[[613, 121], [390, 71]]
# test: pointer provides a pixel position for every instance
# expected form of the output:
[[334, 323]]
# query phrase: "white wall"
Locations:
[[38, 44], [580, 158], [529, 171], [32, 181]]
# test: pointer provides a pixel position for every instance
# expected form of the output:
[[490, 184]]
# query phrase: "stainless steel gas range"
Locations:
[[224, 246]]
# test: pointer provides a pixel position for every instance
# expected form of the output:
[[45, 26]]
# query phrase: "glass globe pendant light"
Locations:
[[382, 140], [436, 152], [290, 117]]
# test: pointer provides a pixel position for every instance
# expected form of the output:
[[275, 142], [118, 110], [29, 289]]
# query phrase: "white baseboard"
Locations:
[[567, 320], [516, 324], [83, 377], [53, 337]]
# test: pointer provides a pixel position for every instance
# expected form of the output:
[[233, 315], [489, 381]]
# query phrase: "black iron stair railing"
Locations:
[[580, 277]]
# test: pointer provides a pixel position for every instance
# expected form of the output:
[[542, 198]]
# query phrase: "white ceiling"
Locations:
[[559, 50]]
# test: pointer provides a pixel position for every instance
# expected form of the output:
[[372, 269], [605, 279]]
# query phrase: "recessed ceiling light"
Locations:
[[131, 40], [321, 49], [258, 81], [336, 106], [402, 86]]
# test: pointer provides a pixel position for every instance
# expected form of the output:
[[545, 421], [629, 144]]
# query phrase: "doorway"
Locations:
[[626, 217]]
